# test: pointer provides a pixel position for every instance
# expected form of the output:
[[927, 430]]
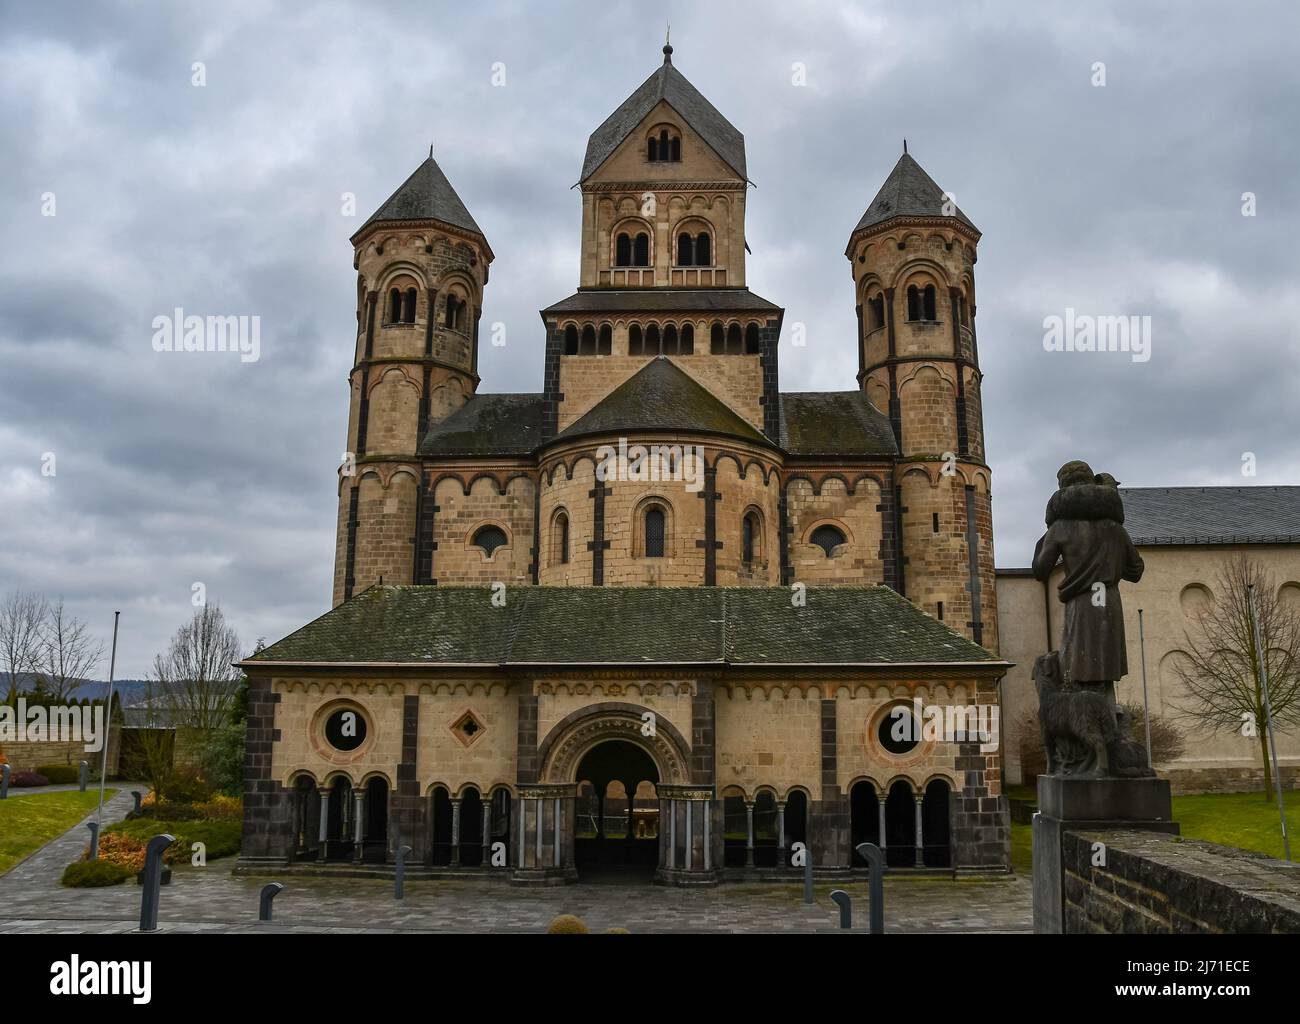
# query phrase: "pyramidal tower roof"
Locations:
[[425, 195], [908, 192], [670, 85]]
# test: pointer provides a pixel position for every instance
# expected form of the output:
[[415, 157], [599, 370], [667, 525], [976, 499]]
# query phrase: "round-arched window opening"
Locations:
[[899, 732], [345, 729], [489, 538], [828, 538]]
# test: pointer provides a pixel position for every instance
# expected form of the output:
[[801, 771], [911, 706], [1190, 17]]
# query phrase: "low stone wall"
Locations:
[[1154, 882], [26, 757], [1226, 779]]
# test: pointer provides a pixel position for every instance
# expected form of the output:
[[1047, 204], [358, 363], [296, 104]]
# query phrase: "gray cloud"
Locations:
[[227, 198]]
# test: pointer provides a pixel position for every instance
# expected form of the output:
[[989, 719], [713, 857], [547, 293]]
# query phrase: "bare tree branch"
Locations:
[[21, 615], [195, 682], [67, 653]]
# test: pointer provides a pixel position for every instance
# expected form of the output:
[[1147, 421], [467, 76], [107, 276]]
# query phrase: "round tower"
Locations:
[[422, 264], [913, 257]]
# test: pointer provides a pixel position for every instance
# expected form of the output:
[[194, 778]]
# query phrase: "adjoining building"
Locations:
[[732, 618], [1184, 534]]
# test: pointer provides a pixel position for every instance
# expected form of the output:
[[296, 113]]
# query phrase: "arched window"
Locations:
[[913, 303], [751, 340], [687, 344], [634, 343], [587, 347], [735, 344], [455, 316], [717, 341], [560, 539], [408, 307], [641, 250], [654, 532], [828, 538], [685, 250], [749, 538], [675, 148], [965, 315], [395, 307], [652, 149], [929, 304], [876, 304], [652, 340], [703, 258], [623, 248], [489, 538], [605, 346], [670, 340], [571, 340]]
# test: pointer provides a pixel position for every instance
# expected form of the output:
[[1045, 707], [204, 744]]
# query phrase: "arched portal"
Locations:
[[935, 831], [900, 826], [618, 839]]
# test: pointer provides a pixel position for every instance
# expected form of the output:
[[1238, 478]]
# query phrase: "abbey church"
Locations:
[[540, 670]]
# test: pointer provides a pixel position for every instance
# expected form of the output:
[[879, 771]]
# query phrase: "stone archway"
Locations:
[[569, 741]]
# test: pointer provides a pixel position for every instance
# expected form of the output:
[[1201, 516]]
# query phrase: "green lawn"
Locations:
[[29, 822], [1244, 820]]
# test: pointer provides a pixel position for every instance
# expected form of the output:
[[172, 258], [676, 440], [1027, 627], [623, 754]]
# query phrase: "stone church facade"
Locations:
[[537, 667]]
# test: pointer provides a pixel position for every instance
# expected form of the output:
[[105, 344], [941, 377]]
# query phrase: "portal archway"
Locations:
[[620, 834]]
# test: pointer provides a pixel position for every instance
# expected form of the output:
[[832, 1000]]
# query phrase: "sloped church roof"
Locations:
[[425, 195], [670, 85], [907, 192]]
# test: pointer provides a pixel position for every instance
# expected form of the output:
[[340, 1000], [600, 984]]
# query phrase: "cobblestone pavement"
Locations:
[[211, 899]]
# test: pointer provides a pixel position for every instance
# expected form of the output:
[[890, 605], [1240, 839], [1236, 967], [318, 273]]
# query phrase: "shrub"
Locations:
[[28, 779], [60, 774], [90, 874], [223, 759], [567, 924], [124, 843], [186, 786]]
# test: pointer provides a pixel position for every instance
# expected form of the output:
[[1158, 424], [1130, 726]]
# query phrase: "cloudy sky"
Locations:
[[226, 198]]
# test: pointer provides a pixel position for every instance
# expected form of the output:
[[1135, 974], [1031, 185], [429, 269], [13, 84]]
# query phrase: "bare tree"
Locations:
[[1223, 670], [21, 615], [195, 683], [67, 653]]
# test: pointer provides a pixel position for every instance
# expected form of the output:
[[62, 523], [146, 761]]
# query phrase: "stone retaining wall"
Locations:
[[26, 757], [1153, 882]]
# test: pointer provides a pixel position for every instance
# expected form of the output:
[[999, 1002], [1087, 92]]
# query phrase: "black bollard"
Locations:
[[94, 840], [4, 782], [399, 874], [876, 910], [269, 892], [138, 796], [153, 854], [82, 774], [842, 900]]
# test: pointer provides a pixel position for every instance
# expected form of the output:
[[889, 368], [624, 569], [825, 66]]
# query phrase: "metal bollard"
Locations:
[[4, 782], [153, 854], [842, 900], [399, 875], [269, 892], [83, 773], [876, 910], [138, 797], [94, 839]]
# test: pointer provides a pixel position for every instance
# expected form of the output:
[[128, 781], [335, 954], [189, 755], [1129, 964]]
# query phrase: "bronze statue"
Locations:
[[1076, 688]]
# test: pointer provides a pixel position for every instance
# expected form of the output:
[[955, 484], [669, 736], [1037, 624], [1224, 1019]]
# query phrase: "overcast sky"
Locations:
[[226, 198]]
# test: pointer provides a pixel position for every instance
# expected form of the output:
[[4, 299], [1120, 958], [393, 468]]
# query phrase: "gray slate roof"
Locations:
[[662, 396], [667, 83], [662, 300], [1212, 515], [425, 195], [839, 423], [488, 425], [627, 625], [907, 192]]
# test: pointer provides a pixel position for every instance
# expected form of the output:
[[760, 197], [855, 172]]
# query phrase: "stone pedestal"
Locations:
[[543, 827], [1071, 804]]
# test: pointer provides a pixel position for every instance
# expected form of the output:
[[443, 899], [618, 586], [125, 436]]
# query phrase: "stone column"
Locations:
[[535, 864], [324, 822], [487, 834], [455, 833], [557, 856], [749, 834], [672, 834], [880, 811], [920, 842], [780, 834], [358, 824]]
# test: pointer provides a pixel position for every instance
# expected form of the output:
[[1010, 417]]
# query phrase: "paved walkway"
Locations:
[[65, 787], [46, 865]]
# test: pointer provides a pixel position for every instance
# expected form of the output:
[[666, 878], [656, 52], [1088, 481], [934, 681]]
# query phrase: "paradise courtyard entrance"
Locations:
[[616, 819]]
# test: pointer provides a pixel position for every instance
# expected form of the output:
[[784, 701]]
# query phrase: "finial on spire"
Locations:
[[668, 46], [904, 147], [430, 150]]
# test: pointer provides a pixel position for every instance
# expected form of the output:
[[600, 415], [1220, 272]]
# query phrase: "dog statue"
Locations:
[[1078, 726]]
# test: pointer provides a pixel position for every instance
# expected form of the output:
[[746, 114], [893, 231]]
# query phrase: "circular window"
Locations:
[[345, 729], [899, 732]]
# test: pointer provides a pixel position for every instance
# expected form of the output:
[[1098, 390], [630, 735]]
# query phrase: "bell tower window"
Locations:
[[641, 250]]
